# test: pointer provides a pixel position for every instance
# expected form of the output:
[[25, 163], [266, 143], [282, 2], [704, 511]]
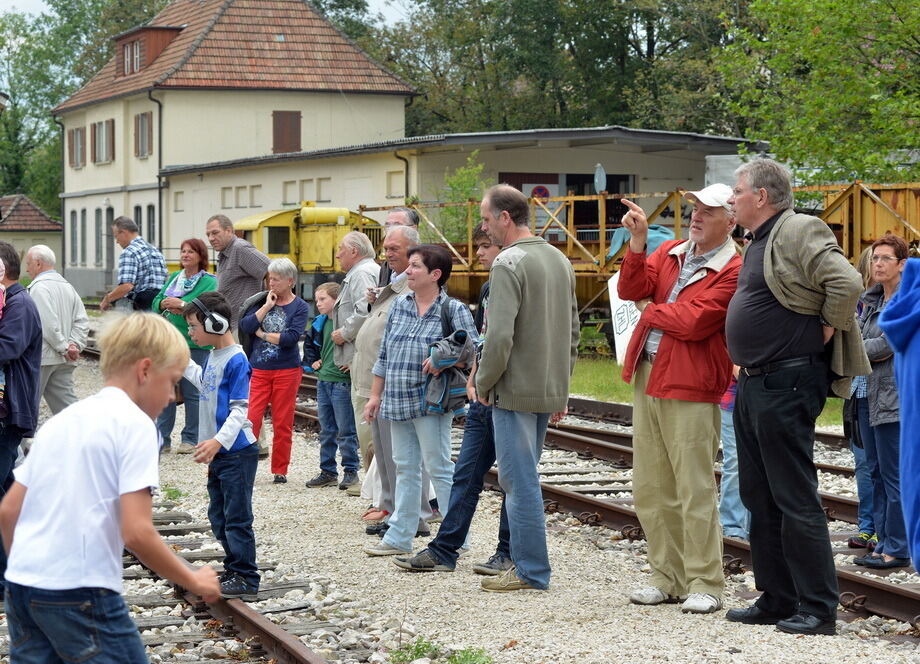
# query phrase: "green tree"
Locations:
[[349, 16], [465, 184], [832, 85]]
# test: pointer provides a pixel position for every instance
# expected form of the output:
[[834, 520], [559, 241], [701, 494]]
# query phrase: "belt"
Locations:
[[770, 367]]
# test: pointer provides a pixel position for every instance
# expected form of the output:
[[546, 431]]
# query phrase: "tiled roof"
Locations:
[[18, 213], [247, 44]]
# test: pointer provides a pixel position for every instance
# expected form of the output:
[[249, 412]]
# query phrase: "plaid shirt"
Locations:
[[403, 349], [141, 264], [240, 269]]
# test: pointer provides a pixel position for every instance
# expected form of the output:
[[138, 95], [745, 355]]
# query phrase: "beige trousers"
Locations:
[[674, 447], [365, 441]]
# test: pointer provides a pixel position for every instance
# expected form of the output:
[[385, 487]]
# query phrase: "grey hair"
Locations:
[[223, 220], [283, 267], [43, 253], [125, 224], [771, 176], [408, 232], [411, 214], [360, 243]]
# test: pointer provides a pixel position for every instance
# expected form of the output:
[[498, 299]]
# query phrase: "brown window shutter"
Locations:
[[70, 147], [149, 132], [92, 142], [285, 131], [82, 133], [137, 135], [110, 134]]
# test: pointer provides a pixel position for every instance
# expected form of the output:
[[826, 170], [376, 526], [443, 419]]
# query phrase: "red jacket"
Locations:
[[692, 362]]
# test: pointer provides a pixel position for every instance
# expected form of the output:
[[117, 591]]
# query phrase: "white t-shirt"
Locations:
[[82, 460]]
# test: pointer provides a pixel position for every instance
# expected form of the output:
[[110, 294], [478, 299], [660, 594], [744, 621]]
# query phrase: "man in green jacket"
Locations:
[[527, 361]]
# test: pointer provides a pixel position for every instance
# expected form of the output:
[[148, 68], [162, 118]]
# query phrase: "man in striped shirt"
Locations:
[[240, 266], [141, 268]]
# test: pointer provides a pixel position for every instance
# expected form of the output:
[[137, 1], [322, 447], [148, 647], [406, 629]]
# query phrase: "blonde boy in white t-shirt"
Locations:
[[82, 495]]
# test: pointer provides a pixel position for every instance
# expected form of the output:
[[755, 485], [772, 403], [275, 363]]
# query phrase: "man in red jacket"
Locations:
[[679, 365]]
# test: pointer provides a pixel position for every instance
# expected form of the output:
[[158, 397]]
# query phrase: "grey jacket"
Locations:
[[62, 314], [881, 389], [446, 392], [344, 316], [370, 336]]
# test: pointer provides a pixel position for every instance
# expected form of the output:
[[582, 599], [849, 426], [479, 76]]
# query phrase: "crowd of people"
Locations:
[[742, 350]]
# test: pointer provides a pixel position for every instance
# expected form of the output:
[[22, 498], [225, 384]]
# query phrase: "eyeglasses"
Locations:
[[886, 259]]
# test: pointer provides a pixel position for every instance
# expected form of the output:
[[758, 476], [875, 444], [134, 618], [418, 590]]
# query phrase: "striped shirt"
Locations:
[[141, 264], [403, 349]]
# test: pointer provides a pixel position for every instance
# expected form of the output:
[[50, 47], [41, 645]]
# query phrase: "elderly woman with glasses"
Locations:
[[275, 358], [877, 409], [181, 288]]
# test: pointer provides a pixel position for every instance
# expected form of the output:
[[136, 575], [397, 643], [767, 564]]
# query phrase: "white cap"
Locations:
[[715, 195]]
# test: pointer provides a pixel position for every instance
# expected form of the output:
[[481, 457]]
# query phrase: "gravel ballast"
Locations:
[[585, 616]]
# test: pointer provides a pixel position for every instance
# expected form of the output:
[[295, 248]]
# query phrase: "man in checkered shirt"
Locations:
[[141, 269]]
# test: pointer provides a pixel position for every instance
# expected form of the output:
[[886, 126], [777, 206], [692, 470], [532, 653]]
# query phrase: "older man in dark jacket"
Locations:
[[21, 358]]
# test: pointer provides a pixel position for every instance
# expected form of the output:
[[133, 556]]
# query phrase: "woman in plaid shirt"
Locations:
[[414, 322]]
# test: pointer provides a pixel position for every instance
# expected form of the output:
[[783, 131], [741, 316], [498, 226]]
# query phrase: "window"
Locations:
[[152, 224], [396, 184], [99, 235], [83, 239], [241, 196], [131, 57], [76, 147], [73, 237], [143, 134], [285, 131], [279, 240], [226, 197], [255, 195], [323, 190], [139, 218], [289, 192], [179, 201], [307, 191], [103, 141]]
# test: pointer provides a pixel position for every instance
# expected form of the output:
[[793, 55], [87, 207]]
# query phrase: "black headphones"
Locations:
[[214, 323]]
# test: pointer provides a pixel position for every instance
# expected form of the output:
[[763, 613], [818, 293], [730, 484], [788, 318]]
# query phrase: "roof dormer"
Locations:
[[138, 47]]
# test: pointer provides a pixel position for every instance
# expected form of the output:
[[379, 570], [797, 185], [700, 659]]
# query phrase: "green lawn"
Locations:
[[600, 379]]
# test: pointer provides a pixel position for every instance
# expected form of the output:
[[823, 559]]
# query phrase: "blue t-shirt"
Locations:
[[289, 321]]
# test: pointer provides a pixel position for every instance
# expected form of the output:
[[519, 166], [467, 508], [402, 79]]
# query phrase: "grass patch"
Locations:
[[424, 648], [170, 492], [599, 379]]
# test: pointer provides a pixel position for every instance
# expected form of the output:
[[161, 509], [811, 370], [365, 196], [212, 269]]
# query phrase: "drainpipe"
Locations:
[[406, 162], [159, 166], [62, 260]]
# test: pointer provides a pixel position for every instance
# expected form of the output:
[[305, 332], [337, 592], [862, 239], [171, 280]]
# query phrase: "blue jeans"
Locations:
[[10, 439], [736, 520], [86, 625], [883, 457], [477, 454], [230, 480], [167, 418], [865, 515], [518, 446], [424, 439], [337, 427]]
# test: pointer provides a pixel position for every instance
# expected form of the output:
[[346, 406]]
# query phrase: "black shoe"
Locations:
[[236, 588], [348, 479], [424, 561], [805, 623], [321, 480], [279, 479], [418, 533], [866, 560], [753, 615], [494, 566], [377, 528], [263, 453], [879, 562]]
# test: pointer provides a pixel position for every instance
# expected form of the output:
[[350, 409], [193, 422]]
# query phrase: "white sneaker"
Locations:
[[381, 548], [651, 596], [701, 603]]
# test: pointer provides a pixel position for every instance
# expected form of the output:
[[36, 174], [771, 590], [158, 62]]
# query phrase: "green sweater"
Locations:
[[532, 338], [207, 282]]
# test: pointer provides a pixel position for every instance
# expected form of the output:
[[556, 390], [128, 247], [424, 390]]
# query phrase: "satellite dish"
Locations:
[[600, 179]]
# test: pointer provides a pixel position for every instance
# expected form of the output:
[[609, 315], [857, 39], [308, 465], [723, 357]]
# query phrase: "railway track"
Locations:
[[586, 473]]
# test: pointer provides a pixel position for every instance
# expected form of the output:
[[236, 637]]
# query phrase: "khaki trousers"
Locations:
[[365, 441], [674, 449]]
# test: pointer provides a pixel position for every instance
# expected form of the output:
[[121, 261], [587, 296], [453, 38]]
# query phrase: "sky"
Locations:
[[392, 10]]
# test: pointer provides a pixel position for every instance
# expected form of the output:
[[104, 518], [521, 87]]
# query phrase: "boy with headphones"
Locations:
[[227, 444]]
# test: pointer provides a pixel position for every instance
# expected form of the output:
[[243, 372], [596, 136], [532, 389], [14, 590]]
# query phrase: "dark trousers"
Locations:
[[88, 625], [230, 481], [10, 438], [477, 455], [775, 417]]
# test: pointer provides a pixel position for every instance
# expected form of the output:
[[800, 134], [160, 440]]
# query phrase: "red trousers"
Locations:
[[277, 387]]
